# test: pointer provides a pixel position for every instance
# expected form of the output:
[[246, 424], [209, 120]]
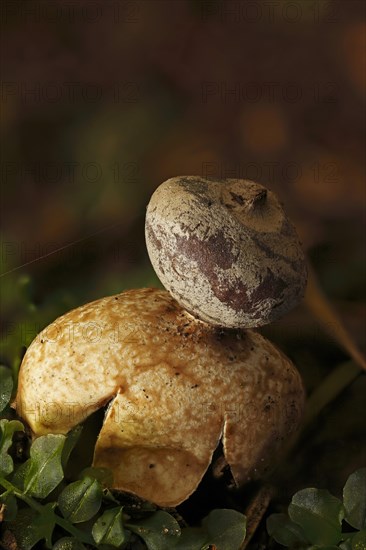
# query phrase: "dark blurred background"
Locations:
[[103, 100]]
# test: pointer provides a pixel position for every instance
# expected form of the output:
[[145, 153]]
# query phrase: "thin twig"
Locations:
[[255, 512], [329, 389], [319, 305]]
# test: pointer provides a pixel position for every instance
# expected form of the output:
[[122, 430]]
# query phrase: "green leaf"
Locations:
[[354, 499], [108, 529], [226, 528], [359, 540], [346, 543], [284, 531], [192, 538], [44, 523], [30, 527], [160, 531], [104, 475], [25, 533], [18, 477], [45, 470], [68, 543], [7, 429], [81, 500], [11, 508], [108, 496], [6, 386], [71, 439], [319, 514]]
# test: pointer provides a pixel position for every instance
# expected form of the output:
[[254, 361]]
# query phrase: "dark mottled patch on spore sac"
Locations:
[[233, 295], [199, 191], [237, 198], [269, 287], [216, 251], [152, 236], [211, 254], [197, 187]]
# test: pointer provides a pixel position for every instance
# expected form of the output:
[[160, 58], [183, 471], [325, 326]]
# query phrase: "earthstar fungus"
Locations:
[[179, 369], [174, 386]]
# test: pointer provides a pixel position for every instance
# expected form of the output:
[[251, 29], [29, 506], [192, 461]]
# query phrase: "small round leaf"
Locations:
[[160, 531], [354, 499], [108, 529], [285, 531], [192, 538], [226, 528], [81, 500], [319, 514]]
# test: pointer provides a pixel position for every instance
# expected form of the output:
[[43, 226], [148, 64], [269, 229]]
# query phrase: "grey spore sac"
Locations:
[[225, 250]]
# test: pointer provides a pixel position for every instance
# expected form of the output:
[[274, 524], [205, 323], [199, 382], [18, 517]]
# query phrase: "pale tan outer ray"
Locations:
[[178, 384]]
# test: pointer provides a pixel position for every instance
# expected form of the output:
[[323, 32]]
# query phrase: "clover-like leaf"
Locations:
[[284, 531], [160, 531], [6, 386], [45, 470], [68, 543], [354, 499], [226, 529], [108, 529], [81, 500], [7, 429], [319, 514]]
